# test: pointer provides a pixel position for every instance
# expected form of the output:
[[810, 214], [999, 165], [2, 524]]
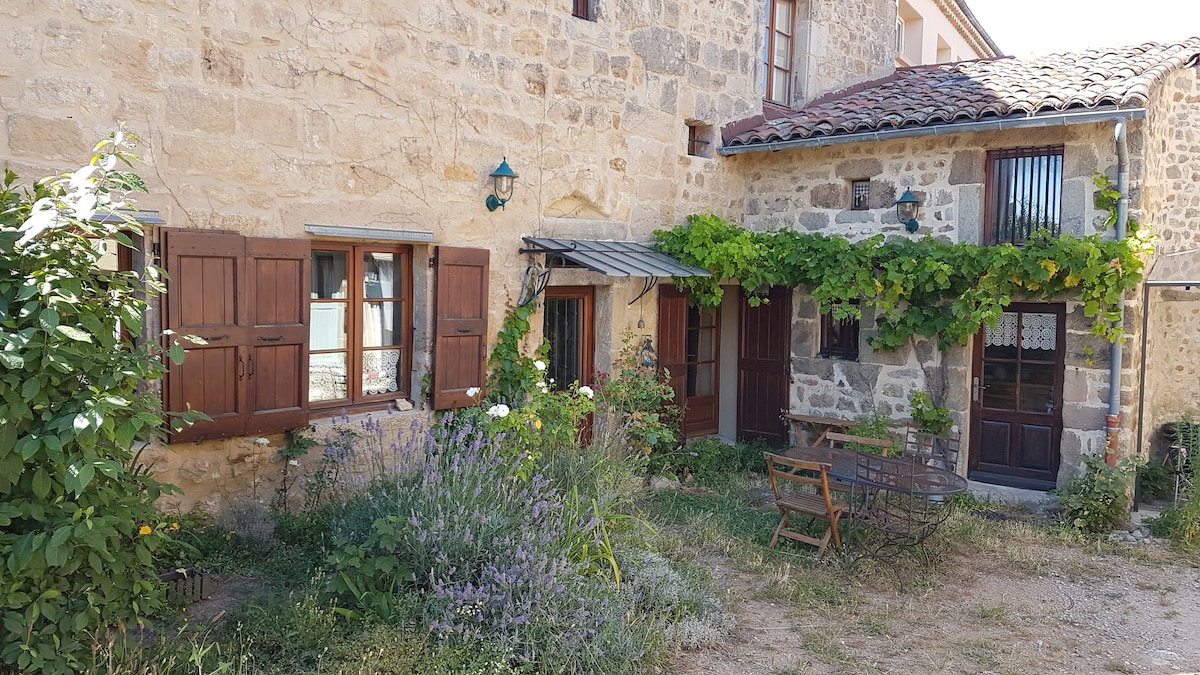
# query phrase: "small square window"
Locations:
[[839, 337], [699, 142], [583, 9], [860, 195]]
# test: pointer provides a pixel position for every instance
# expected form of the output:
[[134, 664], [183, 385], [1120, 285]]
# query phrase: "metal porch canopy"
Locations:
[[613, 258]]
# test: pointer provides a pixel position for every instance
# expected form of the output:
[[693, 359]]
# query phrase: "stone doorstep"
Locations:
[[1035, 499]]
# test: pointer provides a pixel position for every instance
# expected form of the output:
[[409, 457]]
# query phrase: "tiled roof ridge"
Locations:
[[987, 88]]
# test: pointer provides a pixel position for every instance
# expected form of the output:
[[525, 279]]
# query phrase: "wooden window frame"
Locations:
[[354, 319], [848, 329], [992, 210], [583, 9], [769, 64]]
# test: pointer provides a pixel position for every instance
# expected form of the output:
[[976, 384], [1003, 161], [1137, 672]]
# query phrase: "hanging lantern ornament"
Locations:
[[502, 186], [649, 357], [906, 210]]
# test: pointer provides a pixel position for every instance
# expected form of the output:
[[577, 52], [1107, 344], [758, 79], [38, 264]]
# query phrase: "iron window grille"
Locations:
[[1024, 194], [860, 192], [839, 337]]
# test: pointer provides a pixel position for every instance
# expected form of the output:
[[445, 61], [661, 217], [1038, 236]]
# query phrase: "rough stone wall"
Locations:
[[1171, 204], [844, 42], [809, 190], [264, 116]]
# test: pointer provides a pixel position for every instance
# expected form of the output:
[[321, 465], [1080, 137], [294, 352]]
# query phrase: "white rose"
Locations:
[[543, 386], [294, 462], [539, 364], [473, 392], [498, 410], [587, 391]]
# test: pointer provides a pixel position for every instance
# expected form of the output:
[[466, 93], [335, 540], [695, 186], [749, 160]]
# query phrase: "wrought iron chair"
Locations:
[[936, 451]]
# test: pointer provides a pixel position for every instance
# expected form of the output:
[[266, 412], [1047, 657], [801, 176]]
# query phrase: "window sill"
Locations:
[[358, 411]]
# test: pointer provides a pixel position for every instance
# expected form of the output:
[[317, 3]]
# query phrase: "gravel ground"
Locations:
[[1015, 607]]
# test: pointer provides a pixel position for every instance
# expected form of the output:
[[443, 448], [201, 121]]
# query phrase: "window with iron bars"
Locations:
[[839, 337], [1024, 194]]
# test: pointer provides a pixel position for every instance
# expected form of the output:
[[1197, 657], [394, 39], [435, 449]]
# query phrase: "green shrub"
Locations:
[[929, 417], [875, 425], [708, 460], [640, 398], [1156, 480], [78, 527], [1098, 500]]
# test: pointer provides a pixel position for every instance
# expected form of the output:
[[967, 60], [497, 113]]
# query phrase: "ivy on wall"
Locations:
[[919, 288]]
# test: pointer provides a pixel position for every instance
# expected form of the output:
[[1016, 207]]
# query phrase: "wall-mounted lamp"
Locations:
[[502, 186], [906, 210], [648, 357]]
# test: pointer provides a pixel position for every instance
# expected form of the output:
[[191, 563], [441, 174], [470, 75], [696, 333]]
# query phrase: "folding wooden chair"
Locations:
[[809, 496], [837, 440]]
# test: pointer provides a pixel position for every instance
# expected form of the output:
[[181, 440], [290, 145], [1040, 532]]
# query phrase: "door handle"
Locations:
[[463, 330], [241, 368], [251, 373], [277, 338], [213, 338], [977, 389]]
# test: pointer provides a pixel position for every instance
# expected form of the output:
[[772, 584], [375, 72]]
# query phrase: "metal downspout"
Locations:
[[1112, 421]]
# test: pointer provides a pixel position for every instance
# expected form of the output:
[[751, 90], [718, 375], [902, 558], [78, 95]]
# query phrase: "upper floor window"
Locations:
[[777, 51], [583, 9], [1024, 194]]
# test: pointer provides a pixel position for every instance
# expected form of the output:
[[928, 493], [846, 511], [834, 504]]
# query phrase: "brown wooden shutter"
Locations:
[[460, 325], [247, 298], [205, 288], [672, 338], [277, 334]]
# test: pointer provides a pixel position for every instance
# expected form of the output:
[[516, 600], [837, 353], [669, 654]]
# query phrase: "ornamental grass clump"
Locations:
[[478, 555]]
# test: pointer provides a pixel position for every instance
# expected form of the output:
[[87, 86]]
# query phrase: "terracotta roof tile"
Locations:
[[984, 89]]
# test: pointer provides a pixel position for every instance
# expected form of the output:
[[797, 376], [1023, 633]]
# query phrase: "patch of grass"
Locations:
[[991, 613], [825, 645], [874, 627]]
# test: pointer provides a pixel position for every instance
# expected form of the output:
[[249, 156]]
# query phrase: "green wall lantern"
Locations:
[[502, 186], [906, 210]]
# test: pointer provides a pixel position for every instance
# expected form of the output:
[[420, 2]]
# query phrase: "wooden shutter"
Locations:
[[205, 290], [247, 299], [277, 334], [460, 325], [672, 338]]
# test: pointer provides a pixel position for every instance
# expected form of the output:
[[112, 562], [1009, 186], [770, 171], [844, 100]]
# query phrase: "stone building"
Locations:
[[318, 179], [951, 134], [314, 171]]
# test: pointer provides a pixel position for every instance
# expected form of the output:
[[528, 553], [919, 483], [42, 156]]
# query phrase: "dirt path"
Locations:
[[1038, 609]]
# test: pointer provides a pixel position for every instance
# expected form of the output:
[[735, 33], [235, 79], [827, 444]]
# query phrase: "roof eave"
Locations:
[[1058, 119]]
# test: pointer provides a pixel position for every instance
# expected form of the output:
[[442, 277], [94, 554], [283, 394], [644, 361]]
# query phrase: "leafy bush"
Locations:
[[929, 417], [1156, 480], [639, 396], [708, 460], [1098, 500], [78, 527], [875, 425]]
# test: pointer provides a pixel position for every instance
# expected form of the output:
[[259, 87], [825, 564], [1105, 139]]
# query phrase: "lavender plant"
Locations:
[[486, 557]]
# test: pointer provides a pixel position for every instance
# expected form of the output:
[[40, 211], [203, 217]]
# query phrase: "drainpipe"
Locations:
[[1112, 421]]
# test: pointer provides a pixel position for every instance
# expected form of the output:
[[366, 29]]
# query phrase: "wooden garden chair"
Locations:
[[837, 440], [802, 488]]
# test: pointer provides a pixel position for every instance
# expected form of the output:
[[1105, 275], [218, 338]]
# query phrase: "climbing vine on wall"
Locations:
[[919, 288]]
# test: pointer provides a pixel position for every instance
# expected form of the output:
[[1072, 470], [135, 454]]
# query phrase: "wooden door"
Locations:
[[1016, 397], [764, 366], [688, 349], [568, 326], [460, 325]]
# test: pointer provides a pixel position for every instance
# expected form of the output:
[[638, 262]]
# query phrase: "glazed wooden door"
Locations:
[[764, 366], [1016, 397], [568, 326], [688, 350]]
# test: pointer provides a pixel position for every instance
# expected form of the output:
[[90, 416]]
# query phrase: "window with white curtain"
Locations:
[[361, 318]]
